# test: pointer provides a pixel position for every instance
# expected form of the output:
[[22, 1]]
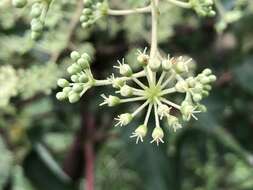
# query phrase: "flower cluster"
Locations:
[[81, 78], [38, 13], [203, 7], [158, 78], [92, 12]]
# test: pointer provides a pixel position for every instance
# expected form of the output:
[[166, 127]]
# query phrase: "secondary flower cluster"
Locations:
[[152, 85], [92, 12], [81, 78], [38, 12]]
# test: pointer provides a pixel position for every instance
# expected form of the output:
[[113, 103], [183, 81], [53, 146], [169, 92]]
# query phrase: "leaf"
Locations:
[[44, 172], [243, 75]]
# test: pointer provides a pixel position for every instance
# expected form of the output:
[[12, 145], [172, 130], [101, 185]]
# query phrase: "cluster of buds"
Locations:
[[38, 13], [19, 3], [92, 12], [203, 7], [157, 79], [81, 78]]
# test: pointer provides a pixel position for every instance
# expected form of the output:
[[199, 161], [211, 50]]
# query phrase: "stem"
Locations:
[[89, 153], [148, 114], [181, 4], [154, 13], [140, 108], [129, 11], [171, 103], [89, 169]]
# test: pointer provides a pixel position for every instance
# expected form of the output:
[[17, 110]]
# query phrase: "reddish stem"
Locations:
[[89, 154]]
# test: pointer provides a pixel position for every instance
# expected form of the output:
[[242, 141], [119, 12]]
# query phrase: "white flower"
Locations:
[[123, 119], [157, 135], [139, 133]]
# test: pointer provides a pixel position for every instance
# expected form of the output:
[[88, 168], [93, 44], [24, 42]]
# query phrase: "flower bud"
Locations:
[[124, 119], [166, 65], [77, 88], [73, 69], [180, 67], [163, 110], [61, 96], [173, 122], [143, 59], [207, 72], [67, 90], [63, 83], [141, 130], [126, 91], [83, 63], [74, 97], [112, 101], [212, 78], [197, 97], [125, 70], [86, 57], [74, 78], [75, 55], [157, 135], [154, 64], [83, 78]]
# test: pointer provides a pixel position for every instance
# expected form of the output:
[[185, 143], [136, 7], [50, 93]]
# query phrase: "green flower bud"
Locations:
[[124, 119], [74, 78], [83, 78], [73, 69], [36, 25], [87, 11], [181, 67], [36, 10], [157, 135], [125, 70], [154, 64], [73, 97], [117, 82], [197, 97], [166, 65], [61, 96], [86, 57], [143, 59], [84, 64], [19, 3], [75, 55], [205, 93], [112, 101], [63, 83], [207, 72], [212, 78], [78, 88], [173, 122], [67, 90], [126, 91], [84, 18]]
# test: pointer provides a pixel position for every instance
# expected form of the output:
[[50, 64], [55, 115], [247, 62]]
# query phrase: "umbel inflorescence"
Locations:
[[152, 86]]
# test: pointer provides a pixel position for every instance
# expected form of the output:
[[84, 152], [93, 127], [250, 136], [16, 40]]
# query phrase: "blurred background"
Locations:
[[47, 144]]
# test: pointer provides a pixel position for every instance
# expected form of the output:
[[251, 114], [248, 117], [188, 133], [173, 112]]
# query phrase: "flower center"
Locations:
[[153, 93]]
